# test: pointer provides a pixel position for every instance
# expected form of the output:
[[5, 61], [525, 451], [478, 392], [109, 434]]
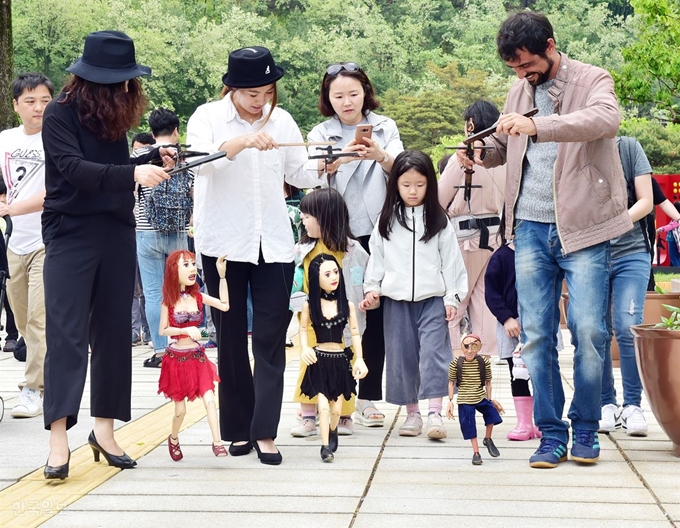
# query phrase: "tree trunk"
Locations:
[[7, 116]]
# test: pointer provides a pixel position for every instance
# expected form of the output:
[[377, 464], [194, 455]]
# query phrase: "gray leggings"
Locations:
[[417, 350]]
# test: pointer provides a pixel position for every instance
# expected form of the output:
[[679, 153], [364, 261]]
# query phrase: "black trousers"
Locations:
[[373, 346], [89, 277], [518, 387], [250, 401]]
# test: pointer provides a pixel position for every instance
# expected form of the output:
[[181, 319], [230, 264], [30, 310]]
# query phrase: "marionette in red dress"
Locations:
[[186, 372], [329, 376]]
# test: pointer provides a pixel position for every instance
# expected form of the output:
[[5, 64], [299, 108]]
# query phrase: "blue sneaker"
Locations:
[[549, 453], [585, 446]]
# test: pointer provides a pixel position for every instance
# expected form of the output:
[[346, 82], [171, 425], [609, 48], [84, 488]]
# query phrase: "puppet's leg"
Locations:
[[209, 402], [173, 440], [324, 426], [336, 408]]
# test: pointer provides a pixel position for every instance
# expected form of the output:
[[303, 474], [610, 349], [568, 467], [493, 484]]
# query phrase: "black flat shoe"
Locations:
[[57, 472], [123, 461], [271, 459], [327, 454], [240, 450], [333, 440]]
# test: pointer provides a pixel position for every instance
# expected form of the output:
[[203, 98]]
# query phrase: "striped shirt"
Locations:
[[470, 390]]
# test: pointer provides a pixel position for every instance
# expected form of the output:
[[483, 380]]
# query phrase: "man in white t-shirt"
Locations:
[[22, 159]]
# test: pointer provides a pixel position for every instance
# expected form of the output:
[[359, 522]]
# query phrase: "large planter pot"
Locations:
[[657, 351], [653, 306]]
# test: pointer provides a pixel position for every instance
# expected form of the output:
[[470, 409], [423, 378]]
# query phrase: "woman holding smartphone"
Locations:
[[348, 100]]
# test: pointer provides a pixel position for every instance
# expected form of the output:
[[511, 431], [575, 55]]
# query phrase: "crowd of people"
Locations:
[[401, 274]]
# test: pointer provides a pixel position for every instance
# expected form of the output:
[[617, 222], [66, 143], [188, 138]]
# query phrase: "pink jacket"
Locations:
[[589, 188]]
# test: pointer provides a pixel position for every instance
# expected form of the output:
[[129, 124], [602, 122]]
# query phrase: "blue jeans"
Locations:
[[628, 283], [153, 248], [540, 267], [673, 252]]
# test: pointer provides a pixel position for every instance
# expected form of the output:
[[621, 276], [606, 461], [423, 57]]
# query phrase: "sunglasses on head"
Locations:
[[472, 345], [334, 69]]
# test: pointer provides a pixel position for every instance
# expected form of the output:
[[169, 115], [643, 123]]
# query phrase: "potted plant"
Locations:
[[657, 352]]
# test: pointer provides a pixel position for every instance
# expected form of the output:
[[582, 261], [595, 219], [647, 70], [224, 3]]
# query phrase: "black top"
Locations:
[[657, 193], [330, 331], [84, 175]]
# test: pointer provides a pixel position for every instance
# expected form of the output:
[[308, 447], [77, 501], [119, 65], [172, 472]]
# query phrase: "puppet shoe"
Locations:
[[175, 450], [326, 454], [493, 450], [476, 459], [219, 450], [333, 439]]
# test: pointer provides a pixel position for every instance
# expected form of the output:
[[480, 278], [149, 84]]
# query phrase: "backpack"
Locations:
[[169, 205], [627, 151], [482, 370]]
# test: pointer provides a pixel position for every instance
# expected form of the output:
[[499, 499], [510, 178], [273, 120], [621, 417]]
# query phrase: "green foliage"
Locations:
[[651, 72], [671, 322], [660, 143]]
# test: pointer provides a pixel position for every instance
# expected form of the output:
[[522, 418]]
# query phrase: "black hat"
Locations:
[[108, 58], [251, 68]]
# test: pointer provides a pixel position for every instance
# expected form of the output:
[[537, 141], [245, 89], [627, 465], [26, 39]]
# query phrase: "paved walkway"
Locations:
[[377, 479]]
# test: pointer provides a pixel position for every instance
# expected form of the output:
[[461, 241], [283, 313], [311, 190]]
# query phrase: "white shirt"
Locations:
[[239, 203], [23, 169]]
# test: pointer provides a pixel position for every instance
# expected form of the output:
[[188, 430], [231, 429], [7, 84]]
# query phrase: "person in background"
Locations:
[[12, 341], [23, 160], [476, 224], [630, 267]]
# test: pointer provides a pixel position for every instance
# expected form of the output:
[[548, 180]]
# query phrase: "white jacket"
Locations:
[[404, 268]]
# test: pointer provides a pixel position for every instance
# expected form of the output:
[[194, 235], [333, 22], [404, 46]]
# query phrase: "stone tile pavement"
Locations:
[[378, 479]]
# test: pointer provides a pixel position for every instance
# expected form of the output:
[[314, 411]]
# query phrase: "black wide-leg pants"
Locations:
[[373, 346], [89, 277], [250, 401]]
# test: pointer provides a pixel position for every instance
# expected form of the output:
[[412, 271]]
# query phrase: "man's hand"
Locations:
[[464, 161], [515, 124]]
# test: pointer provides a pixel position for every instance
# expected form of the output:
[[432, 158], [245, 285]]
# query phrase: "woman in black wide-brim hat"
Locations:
[[89, 235], [240, 212]]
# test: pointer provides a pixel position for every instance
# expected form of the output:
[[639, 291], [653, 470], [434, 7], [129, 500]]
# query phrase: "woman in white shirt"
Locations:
[[240, 212], [347, 98]]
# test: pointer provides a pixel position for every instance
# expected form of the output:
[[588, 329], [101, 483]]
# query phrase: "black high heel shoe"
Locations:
[[57, 472], [271, 459], [327, 454], [333, 440], [240, 450], [123, 462]]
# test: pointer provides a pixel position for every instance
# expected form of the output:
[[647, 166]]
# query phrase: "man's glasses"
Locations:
[[334, 69], [475, 345]]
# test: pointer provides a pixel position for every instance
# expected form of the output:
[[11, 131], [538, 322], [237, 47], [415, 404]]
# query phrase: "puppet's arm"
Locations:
[[223, 302], [308, 356], [449, 407], [360, 369]]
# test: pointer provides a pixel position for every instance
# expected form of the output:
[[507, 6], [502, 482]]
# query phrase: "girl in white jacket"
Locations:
[[417, 268]]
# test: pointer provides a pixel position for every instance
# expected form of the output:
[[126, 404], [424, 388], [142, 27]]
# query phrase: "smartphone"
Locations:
[[363, 131]]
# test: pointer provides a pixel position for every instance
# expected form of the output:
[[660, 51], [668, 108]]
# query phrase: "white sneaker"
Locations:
[[435, 426], [413, 425], [633, 421], [306, 428], [28, 405], [611, 419]]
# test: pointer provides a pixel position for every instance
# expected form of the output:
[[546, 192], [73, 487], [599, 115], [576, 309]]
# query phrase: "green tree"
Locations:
[[651, 71], [7, 116]]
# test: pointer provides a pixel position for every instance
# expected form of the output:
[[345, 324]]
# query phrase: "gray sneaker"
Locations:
[[413, 425], [476, 459]]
